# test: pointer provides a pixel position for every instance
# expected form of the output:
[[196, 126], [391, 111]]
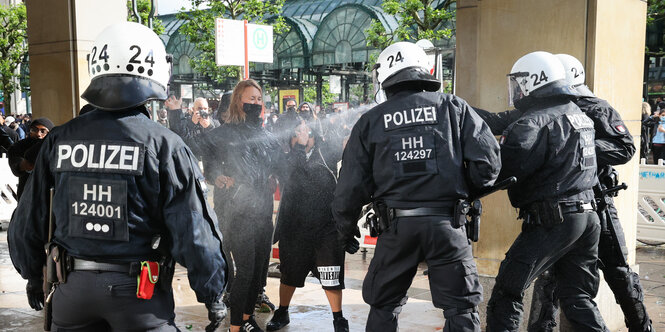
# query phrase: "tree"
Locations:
[[655, 10], [199, 29], [655, 14], [13, 48], [327, 97], [144, 7], [417, 19]]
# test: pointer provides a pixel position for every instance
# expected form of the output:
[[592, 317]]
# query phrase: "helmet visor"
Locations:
[[515, 91]]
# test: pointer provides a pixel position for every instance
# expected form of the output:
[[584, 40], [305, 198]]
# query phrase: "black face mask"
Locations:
[[253, 113], [291, 109], [306, 115]]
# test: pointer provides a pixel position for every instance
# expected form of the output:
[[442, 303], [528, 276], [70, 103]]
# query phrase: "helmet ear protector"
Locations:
[[128, 66]]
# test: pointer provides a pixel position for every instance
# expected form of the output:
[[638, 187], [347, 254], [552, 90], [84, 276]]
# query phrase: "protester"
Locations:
[[22, 154], [239, 157]]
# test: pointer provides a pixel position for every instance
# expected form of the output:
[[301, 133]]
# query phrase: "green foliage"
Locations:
[[655, 10], [143, 7], [13, 47], [327, 97], [417, 20], [199, 29]]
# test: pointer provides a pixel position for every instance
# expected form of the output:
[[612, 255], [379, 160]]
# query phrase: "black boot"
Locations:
[[341, 324], [250, 325], [279, 320]]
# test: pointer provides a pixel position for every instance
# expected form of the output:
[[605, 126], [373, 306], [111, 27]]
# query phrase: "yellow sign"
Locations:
[[285, 95]]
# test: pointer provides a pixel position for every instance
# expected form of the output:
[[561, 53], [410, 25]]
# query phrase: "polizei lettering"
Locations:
[[100, 156], [410, 117]]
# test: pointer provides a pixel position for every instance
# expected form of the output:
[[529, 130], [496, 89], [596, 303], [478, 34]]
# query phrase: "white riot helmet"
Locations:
[[405, 62], [533, 72], [575, 74], [128, 66]]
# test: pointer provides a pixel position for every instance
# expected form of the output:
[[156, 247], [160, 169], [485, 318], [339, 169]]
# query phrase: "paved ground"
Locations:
[[309, 311]]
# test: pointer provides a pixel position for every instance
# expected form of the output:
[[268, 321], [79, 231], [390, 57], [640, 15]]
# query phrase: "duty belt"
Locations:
[[573, 207], [421, 212], [85, 265]]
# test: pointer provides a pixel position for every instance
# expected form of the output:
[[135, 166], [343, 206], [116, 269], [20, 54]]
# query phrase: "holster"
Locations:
[[381, 220], [57, 265], [166, 270], [462, 208], [55, 272], [544, 213], [473, 226]]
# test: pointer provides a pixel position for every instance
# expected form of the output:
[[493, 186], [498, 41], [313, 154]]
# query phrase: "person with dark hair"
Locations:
[[239, 158], [5, 140], [23, 153], [223, 106], [658, 140], [288, 120], [306, 229]]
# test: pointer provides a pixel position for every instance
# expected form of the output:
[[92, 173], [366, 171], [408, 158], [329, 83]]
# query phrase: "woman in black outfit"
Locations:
[[239, 157]]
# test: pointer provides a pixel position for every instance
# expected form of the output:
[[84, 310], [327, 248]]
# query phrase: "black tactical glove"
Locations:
[[35, 294], [351, 245], [348, 241], [216, 314]]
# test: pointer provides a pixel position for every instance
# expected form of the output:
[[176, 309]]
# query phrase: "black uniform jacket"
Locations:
[[614, 143], [418, 149], [120, 180], [550, 149]]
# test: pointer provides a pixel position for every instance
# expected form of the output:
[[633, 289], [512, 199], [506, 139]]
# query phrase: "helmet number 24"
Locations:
[[148, 59], [397, 58], [102, 55], [539, 79]]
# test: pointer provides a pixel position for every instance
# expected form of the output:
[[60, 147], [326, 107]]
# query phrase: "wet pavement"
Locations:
[[309, 310]]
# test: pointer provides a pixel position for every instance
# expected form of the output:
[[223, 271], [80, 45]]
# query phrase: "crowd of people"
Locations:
[[117, 199]]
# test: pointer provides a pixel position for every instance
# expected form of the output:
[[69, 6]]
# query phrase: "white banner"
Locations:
[[229, 42]]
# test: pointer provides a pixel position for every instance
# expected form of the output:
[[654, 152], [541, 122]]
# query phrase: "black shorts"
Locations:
[[319, 253]]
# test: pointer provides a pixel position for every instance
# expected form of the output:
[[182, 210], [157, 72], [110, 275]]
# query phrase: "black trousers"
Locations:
[[570, 249], [658, 152], [249, 242], [452, 273], [106, 301], [624, 283]]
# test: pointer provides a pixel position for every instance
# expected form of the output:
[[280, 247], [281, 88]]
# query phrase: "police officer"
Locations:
[[550, 149], [415, 155], [614, 146], [128, 198]]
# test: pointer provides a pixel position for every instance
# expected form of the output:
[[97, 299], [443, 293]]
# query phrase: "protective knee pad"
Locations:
[[466, 320], [625, 285]]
